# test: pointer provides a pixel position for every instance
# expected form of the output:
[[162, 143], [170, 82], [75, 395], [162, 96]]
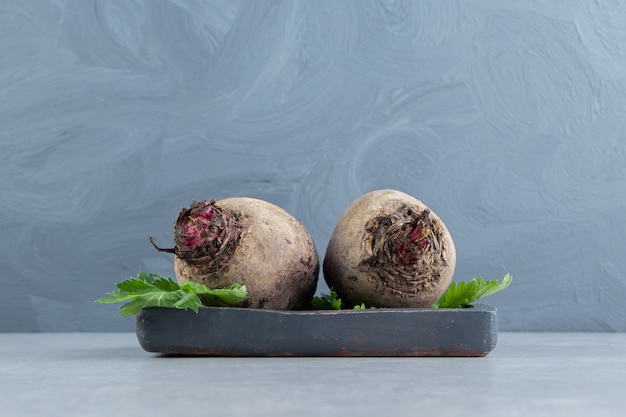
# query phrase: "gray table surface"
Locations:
[[108, 374]]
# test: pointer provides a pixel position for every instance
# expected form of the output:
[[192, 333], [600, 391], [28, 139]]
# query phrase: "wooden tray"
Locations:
[[218, 331]]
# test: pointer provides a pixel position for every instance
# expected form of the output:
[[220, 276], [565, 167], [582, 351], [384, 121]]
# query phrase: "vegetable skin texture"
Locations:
[[389, 249], [251, 242]]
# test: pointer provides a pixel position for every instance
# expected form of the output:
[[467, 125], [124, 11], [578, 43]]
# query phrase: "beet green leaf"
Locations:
[[152, 290], [464, 293]]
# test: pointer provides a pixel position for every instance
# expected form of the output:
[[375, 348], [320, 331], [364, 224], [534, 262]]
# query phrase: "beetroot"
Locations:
[[251, 242], [389, 249]]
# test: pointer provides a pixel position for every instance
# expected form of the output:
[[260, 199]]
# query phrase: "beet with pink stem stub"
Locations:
[[389, 249], [247, 241]]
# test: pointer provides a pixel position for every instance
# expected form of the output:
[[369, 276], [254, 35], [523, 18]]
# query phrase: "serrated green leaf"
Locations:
[[327, 301], [146, 277], [335, 302], [131, 308], [332, 302], [462, 294], [494, 286], [113, 297], [321, 302], [134, 285], [166, 284], [195, 287], [233, 294], [152, 290], [164, 299], [189, 300]]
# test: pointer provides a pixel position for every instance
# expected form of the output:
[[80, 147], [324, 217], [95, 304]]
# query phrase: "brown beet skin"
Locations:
[[251, 242], [389, 249]]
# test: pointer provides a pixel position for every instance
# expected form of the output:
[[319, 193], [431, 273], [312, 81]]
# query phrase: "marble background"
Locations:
[[506, 117]]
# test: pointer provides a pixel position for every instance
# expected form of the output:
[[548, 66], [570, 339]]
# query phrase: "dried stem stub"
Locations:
[[407, 250], [205, 235]]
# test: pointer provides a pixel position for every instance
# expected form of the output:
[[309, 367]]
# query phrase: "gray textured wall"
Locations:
[[506, 117]]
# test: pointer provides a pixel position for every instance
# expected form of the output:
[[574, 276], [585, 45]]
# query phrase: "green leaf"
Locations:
[[462, 294], [166, 284], [332, 302], [152, 290], [232, 294], [131, 308], [327, 301], [188, 300], [134, 286]]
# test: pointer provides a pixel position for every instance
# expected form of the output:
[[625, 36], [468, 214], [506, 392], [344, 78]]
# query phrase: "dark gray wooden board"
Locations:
[[217, 331]]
